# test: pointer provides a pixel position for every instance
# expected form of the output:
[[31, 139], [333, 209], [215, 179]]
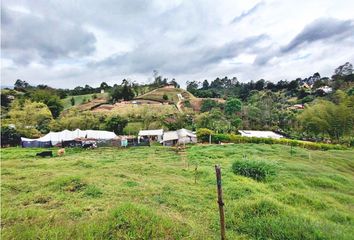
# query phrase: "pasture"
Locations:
[[151, 193]]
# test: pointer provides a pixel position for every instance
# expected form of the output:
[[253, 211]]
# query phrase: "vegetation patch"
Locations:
[[255, 169], [92, 191], [139, 222], [266, 219], [70, 184]]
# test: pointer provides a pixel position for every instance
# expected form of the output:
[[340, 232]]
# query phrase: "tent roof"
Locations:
[[66, 135], [156, 132], [260, 134], [171, 135]]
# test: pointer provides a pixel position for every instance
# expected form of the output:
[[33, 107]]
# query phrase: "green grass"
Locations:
[[79, 99], [171, 93], [149, 193]]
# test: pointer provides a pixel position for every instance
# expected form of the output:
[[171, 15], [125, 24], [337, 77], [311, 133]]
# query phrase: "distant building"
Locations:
[[259, 134], [154, 135], [102, 90], [181, 136]]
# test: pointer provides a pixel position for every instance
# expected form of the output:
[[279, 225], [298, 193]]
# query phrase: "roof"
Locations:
[[175, 135], [171, 135], [185, 133], [156, 132], [259, 134], [66, 135]]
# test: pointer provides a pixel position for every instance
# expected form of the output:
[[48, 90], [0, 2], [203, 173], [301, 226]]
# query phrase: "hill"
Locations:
[[82, 99], [151, 193]]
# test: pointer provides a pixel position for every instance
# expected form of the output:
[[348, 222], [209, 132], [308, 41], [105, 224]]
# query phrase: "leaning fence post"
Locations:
[[220, 201]]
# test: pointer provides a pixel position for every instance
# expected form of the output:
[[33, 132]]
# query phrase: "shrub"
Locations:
[[92, 191], [204, 133], [257, 170], [165, 97]]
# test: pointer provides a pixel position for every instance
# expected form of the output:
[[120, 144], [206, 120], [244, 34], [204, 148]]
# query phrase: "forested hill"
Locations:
[[316, 108]]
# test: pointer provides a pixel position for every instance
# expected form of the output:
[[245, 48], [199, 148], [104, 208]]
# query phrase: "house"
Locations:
[[181, 136], [154, 135], [259, 134]]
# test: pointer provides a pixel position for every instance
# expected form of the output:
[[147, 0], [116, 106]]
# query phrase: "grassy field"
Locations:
[[134, 110], [150, 193], [80, 98], [171, 93]]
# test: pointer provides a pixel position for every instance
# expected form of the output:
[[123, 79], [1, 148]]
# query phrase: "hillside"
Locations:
[[82, 99], [171, 93], [151, 193]]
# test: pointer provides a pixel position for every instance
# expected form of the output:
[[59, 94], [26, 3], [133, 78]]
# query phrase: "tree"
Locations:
[[208, 104], [21, 85], [104, 85], [165, 97], [127, 92], [192, 86], [10, 137], [116, 124], [232, 106], [49, 98], [205, 85], [344, 70], [116, 94], [30, 118], [324, 117], [74, 118], [72, 101], [260, 84]]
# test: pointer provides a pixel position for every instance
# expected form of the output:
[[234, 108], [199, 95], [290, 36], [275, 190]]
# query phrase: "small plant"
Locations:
[[165, 97], [257, 170], [94, 96], [92, 191]]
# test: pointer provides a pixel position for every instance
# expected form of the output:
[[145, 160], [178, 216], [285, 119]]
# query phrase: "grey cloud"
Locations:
[[247, 13], [27, 37], [321, 29], [174, 59]]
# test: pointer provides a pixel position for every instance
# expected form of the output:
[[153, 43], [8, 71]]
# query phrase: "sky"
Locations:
[[72, 43]]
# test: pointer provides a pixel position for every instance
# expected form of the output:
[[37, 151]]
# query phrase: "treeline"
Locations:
[[301, 88]]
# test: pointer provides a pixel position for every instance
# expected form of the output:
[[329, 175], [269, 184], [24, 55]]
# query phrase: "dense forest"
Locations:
[[315, 108]]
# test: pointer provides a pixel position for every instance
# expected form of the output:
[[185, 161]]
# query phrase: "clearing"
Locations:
[[150, 193]]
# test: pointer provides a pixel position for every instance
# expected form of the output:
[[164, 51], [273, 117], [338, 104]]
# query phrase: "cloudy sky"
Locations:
[[70, 43]]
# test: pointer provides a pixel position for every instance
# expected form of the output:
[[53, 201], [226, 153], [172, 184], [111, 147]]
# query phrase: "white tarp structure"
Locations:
[[66, 135], [259, 134], [181, 136], [157, 133]]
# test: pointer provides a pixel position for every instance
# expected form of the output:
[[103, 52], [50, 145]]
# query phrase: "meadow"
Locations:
[[79, 99], [157, 193]]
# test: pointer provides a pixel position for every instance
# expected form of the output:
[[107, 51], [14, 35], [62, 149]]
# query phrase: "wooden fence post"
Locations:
[[220, 201]]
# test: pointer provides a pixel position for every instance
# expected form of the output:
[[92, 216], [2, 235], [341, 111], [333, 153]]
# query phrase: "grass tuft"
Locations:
[[257, 170]]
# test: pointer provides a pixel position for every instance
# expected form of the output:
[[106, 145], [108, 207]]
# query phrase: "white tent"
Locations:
[[157, 133], [181, 136], [259, 134], [66, 135]]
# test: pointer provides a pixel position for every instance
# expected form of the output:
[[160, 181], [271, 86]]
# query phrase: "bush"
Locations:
[[203, 134], [10, 137], [165, 97], [258, 170]]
